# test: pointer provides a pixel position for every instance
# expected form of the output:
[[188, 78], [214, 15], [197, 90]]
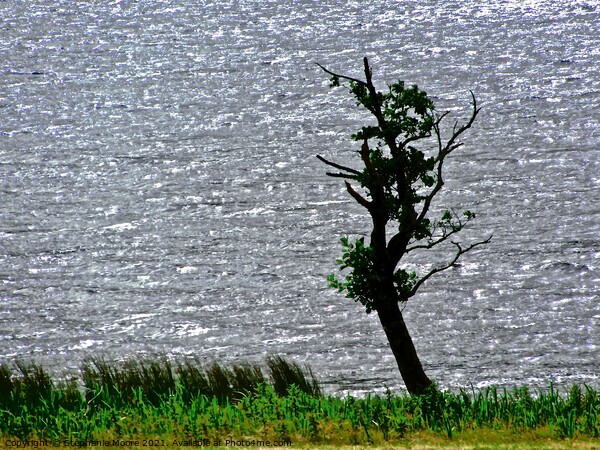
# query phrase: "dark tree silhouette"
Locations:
[[398, 184]]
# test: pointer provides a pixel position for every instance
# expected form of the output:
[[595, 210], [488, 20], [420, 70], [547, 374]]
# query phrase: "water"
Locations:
[[160, 192]]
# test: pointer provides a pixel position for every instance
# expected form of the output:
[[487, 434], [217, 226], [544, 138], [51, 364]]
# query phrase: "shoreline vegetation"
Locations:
[[159, 403]]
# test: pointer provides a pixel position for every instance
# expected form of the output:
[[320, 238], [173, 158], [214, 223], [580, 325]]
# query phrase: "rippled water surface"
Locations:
[[159, 191]]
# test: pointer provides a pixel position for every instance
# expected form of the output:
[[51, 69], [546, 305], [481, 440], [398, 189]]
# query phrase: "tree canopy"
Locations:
[[402, 157]]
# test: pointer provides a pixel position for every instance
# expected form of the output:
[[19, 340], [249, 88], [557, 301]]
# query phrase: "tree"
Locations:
[[398, 182]]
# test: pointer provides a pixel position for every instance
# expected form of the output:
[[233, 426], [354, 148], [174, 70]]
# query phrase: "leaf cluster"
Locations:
[[358, 284], [407, 111], [400, 176]]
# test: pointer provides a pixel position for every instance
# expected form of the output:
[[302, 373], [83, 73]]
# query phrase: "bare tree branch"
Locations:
[[375, 108], [341, 175], [356, 196], [436, 242], [344, 77], [365, 155], [444, 151], [368, 74], [461, 251], [338, 166], [416, 137], [456, 134]]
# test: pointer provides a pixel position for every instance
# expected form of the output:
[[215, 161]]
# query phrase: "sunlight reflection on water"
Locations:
[[161, 195]]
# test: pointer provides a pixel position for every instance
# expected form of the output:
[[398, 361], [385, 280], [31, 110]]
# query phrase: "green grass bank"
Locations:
[[164, 404]]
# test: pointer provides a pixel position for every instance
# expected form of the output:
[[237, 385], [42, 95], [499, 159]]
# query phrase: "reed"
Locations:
[[108, 384], [284, 374], [162, 400]]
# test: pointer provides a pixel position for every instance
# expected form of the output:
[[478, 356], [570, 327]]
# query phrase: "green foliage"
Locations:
[[61, 411], [404, 115], [404, 282], [407, 111], [401, 175], [359, 283]]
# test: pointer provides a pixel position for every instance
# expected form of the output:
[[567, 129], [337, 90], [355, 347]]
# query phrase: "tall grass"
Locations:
[[283, 402], [107, 384]]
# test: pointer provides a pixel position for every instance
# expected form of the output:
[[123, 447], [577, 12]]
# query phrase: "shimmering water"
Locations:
[[159, 191]]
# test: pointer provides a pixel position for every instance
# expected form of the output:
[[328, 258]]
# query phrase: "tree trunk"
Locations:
[[402, 346]]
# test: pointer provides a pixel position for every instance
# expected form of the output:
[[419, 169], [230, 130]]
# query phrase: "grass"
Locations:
[[182, 404]]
